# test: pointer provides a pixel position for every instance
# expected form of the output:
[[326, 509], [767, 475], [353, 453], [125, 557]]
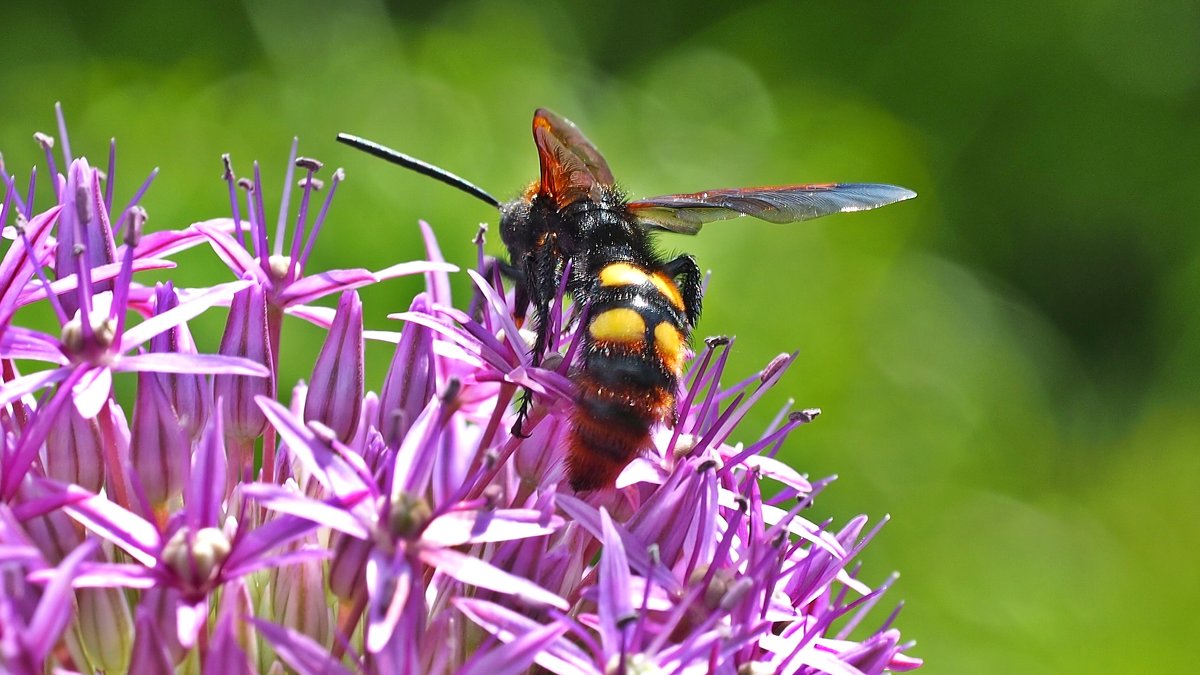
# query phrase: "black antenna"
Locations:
[[417, 165]]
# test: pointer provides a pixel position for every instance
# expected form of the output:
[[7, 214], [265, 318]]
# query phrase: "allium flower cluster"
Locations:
[[225, 522]]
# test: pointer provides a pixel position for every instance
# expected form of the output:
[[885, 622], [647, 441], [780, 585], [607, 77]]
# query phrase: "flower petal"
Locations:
[[26, 384], [476, 527], [298, 650], [167, 242], [415, 267], [476, 572], [98, 274], [137, 536], [516, 656], [18, 342], [329, 469], [230, 251], [319, 285], [560, 656], [284, 500], [389, 583], [187, 309], [201, 364], [206, 484], [614, 606], [55, 607], [15, 269], [92, 391]]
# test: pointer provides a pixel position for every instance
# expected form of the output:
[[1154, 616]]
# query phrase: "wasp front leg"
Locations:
[[542, 274]]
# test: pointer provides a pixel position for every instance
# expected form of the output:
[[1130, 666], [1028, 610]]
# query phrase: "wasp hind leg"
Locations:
[[687, 271]]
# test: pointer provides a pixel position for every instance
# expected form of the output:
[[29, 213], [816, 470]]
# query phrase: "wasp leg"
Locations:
[[523, 406], [685, 266]]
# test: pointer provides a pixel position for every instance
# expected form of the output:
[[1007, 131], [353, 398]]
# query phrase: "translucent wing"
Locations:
[[572, 168], [778, 204]]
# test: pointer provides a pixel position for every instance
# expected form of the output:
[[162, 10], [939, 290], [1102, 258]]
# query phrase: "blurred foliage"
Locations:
[[1008, 365]]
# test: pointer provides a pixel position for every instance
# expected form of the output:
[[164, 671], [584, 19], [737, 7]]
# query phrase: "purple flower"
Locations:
[[404, 531], [95, 341], [284, 275], [198, 552]]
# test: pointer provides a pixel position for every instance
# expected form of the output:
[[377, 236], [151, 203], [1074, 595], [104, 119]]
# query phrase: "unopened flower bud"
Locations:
[[298, 600], [75, 450], [159, 448], [348, 565], [245, 336], [105, 628], [335, 391], [151, 653], [187, 392], [410, 380], [83, 224]]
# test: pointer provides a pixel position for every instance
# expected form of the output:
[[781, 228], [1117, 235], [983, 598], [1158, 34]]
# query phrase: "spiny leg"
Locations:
[[685, 266]]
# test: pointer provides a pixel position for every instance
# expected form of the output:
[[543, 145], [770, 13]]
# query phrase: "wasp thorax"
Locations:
[[409, 515], [197, 561]]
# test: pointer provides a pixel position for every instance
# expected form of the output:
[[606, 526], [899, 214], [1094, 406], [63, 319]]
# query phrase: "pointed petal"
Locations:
[[415, 267], [92, 392], [388, 585], [26, 384], [284, 500], [187, 309], [201, 364], [560, 656], [167, 242], [273, 534], [298, 650], [500, 308], [150, 655], [329, 469], [55, 608], [516, 656], [15, 269], [437, 284], [206, 484], [476, 527], [18, 342], [189, 620], [98, 274], [614, 606], [131, 532], [476, 572], [231, 252], [319, 285]]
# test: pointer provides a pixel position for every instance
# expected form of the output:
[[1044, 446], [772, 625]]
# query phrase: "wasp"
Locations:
[[639, 307]]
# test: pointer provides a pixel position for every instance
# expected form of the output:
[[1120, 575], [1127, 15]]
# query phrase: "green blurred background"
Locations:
[[1007, 364]]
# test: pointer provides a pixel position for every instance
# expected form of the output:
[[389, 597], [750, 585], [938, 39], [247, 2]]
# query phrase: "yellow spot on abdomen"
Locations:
[[669, 344], [625, 274], [619, 324], [622, 274], [666, 285]]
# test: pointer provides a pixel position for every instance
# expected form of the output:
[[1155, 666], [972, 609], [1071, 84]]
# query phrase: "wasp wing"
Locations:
[[687, 213], [572, 168]]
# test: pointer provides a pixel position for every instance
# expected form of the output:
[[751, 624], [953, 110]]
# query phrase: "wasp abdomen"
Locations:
[[634, 347]]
